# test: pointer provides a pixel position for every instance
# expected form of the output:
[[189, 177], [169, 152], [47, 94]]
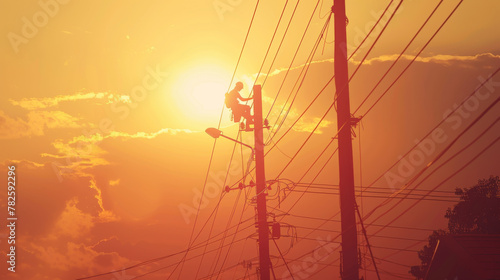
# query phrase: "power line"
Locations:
[[338, 231], [400, 55], [210, 160], [234, 207], [256, 80], [218, 126], [311, 104], [263, 62], [353, 76], [262, 65], [402, 227], [354, 52], [407, 247], [272, 40], [439, 156], [241, 217], [304, 70], [436, 126], [367, 241], [379, 196], [233, 185], [397, 249], [448, 17], [236, 265], [324, 266], [430, 191], [335, 186], [337, 94], [279, 47], [177, 263], [384, 225], [311, 55], [315, 177], [259, 72], [220, 120], [393, 262], [449, 177], [468, 163], [376, 40], [244, 44], [241, 256], [284, 261], [394, 275], [298, 258], [219, 252], [413, 60], [370, 224], [215, 216], [199, 245], [389, 191], [428, 42], [321, 91], [234, 236]]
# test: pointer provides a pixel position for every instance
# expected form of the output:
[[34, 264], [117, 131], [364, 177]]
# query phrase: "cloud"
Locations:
[[114, 182], [76, 256], [441, 59], [35, 125], [304, 124], [84, 146], [46, 102], [82, 152], [59, 220], [53, 209], [104, 215], [26, 163], [308, 126], [73, 222], [117, 134]]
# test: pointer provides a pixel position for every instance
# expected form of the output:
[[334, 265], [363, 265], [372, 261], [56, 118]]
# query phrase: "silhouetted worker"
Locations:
[[239, 110]]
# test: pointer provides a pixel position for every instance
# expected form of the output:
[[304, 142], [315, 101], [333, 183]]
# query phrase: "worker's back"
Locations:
[[232, 99]]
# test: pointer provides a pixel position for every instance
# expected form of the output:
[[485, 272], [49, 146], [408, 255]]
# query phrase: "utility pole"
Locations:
[[262, 224], [346, 173]]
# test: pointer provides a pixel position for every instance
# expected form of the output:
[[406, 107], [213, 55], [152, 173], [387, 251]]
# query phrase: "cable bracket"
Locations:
[[354, 121]]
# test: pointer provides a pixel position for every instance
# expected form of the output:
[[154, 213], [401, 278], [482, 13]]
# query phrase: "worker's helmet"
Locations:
[[239, 85]]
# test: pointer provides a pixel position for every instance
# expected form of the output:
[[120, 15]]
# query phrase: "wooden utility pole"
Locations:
[[262, 225], [346, 173]]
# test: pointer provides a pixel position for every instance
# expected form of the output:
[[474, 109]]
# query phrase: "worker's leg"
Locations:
[[246, 114], [237, 114]]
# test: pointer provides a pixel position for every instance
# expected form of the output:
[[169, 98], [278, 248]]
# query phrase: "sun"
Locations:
[[199, 93]]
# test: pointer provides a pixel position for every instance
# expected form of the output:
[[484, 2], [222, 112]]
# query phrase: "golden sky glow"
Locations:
[[103, 107]]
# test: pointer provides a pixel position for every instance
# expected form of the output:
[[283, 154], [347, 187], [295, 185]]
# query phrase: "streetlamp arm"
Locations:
[[239, 142]]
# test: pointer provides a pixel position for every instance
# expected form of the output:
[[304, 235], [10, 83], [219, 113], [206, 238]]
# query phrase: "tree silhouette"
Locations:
[[477, 212]]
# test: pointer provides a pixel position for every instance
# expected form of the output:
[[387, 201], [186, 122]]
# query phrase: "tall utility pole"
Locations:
[[262, 225], [346, 172]]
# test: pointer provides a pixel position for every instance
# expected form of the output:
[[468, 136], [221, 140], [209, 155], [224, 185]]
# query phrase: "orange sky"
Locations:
[[103, 105]]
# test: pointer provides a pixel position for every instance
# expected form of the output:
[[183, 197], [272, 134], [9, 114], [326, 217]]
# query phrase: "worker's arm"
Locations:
[[244, 99]]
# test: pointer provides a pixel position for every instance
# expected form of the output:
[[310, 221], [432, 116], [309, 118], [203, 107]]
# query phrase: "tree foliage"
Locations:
[[478, 211]]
